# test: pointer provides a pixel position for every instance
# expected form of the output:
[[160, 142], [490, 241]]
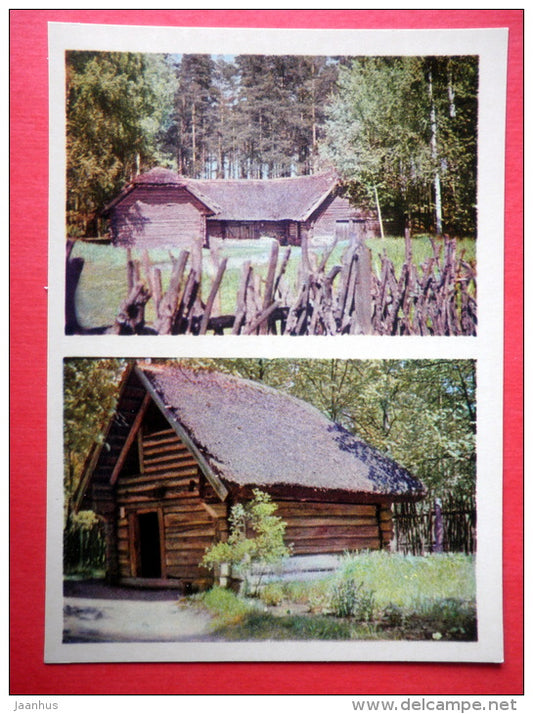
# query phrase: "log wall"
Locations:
[[171, 484], [316, 528], [339, 209], [152, 218], [247, 230]]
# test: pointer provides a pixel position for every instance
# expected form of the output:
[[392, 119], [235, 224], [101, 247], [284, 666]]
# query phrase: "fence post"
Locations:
[[361, 322], [438, 542]]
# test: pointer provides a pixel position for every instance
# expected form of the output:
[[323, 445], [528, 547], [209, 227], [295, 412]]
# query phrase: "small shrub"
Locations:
[[319, 602], [306, 592], [351, 599], [225, 604], [272, 594], [392, 615], [264, 549]]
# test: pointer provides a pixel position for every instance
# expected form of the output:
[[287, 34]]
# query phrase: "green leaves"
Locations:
[[396, 123], [422, 413], [90, 391], [256, 537], [115, 103]]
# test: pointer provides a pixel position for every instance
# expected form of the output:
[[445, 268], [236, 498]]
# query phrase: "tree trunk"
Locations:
[[434, 155]]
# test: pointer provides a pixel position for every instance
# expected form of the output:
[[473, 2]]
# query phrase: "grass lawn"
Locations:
[[103, 282], [389, 596]]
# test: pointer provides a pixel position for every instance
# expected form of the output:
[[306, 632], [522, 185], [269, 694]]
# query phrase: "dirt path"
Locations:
[[95, 612]]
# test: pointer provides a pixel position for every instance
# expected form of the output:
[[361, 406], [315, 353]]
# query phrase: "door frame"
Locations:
[[135, 541]]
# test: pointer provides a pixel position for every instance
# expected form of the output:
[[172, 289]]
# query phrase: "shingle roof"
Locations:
[[251, 434]]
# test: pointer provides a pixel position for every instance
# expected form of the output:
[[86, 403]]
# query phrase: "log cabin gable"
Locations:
[[158, 194], [131, 439], [154, 411], [138, 409]]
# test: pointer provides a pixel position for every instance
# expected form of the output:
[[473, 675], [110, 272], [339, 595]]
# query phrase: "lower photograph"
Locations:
[[237, 505]]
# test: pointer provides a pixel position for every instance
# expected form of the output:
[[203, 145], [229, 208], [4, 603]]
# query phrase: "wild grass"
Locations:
[[103, 282], [226, 606], [408, 580], [397, 597], [265, 626]]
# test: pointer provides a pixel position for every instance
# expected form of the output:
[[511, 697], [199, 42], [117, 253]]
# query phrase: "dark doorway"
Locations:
[[149, 545]]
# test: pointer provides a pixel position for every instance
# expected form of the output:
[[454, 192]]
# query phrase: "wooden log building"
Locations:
[[162, 208], [184, 445]]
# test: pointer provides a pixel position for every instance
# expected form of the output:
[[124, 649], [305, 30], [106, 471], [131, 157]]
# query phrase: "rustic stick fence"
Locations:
[[433, 298], [439, 526]]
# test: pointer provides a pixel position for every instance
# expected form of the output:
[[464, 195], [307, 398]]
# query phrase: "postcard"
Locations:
[[275, 345]]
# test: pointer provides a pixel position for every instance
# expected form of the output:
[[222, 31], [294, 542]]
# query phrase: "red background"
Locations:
[[28, 348]]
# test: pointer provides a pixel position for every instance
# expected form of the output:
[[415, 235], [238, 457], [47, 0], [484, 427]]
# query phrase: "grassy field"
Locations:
[[389, 597], [103, 283]]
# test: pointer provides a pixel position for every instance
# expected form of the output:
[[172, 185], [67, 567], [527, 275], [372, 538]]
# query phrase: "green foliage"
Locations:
[[90, 392], [259, 116], [398, 122], [432, 619], [406, 581], [85, 520], [374, 595], [116, 102], [393, 580], [228, 608], [272, 594], [250, 116], [348, 598], [265, 626], [422, 413], [84, 549], [265, 547]]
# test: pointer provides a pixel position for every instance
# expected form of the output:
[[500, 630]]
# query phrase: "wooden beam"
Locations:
[[211, 511], [130, 439]]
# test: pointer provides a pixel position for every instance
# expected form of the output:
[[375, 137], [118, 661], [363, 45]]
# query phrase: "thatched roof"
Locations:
[[249, 434], [160, 177], [267, 199], [277, 199]]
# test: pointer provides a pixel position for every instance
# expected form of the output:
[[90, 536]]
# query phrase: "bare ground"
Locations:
[[97, 612]]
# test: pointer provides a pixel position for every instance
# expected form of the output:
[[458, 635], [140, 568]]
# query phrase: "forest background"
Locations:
[[399, 131]]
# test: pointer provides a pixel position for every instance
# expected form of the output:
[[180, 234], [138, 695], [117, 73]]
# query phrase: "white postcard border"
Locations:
[[486, 348]]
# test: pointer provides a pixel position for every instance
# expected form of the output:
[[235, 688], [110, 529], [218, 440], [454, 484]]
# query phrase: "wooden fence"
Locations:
[[436, 297], [441, 526]]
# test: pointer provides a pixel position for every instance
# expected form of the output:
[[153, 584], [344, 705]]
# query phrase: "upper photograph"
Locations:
[[270, 194]]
